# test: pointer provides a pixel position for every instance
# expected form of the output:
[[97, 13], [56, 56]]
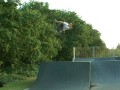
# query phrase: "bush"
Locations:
[[15, 74], [10, 77]]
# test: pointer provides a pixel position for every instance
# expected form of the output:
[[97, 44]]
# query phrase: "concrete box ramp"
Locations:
[[105, 75], [98, 59], [63, 76]]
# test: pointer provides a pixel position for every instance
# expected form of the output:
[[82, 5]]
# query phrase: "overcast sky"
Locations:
[[103, 15]]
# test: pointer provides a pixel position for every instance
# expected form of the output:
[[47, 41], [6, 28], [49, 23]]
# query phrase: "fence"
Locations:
[[92, 52]]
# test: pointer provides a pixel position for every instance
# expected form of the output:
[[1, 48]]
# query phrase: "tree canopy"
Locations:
[[28, 34]]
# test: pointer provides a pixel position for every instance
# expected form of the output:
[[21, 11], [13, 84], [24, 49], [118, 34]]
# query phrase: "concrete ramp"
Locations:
[[63, 76], [105, 75], [98, 59]]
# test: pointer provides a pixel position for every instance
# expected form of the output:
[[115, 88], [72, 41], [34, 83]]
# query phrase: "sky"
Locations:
[[103, 15]]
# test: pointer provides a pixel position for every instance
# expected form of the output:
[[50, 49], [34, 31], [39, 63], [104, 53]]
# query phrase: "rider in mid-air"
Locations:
[[64, 26]]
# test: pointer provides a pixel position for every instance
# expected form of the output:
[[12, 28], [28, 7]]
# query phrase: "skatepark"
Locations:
[[82, 74]]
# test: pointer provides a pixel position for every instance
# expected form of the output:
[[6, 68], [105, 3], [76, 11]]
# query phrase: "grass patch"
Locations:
[[18, 85]]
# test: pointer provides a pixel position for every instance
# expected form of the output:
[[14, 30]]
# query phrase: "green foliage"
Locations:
[[19, 85], [10, 77], [19, 73], [82, 34], [28, 35], [43, 30], [117, 50]]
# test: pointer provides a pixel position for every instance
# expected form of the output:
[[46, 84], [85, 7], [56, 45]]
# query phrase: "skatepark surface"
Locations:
[[87, 74]]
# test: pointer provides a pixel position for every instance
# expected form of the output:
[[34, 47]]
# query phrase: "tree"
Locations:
[[82, 34], [118, 46], [25, 37], [45, 31], [8, 33], [28, 34]]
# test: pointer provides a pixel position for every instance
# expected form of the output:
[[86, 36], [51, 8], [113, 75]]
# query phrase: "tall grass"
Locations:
[[18, 85]]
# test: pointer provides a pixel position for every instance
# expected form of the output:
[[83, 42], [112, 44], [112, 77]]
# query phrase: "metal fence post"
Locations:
[[73, 54], [93, 52]]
